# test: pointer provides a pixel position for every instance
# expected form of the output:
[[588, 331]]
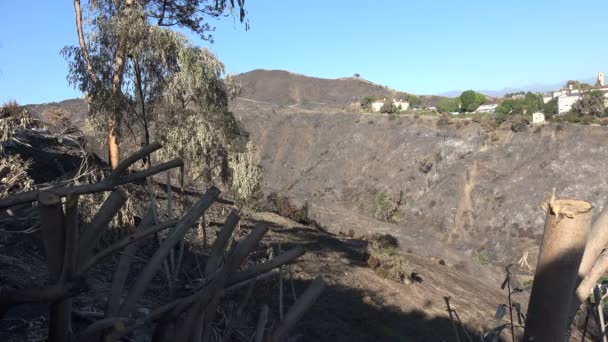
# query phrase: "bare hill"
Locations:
[[284, 88], [77, 108]]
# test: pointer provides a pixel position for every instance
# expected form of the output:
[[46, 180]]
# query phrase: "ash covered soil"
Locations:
[[470, 194]]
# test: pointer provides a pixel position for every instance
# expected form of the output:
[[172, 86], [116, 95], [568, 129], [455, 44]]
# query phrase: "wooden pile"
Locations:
[[69, 247]]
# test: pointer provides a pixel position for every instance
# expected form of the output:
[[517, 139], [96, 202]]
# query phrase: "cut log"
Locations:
[[566, 228]]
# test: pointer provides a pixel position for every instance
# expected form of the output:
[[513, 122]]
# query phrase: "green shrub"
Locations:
[[366, 102], [388, 107], [385, 205], [481, 257]]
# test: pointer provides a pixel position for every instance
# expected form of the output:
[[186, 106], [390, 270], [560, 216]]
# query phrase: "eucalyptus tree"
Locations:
[[128, 53]]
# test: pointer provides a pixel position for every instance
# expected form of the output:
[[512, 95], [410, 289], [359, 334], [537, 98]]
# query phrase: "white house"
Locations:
[[487, 108], [566, 98], [538, 118], [565, 103], [399, 104], [377, 105]]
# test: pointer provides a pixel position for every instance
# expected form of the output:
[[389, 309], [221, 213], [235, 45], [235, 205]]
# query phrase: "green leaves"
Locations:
[[246, 176], [527, 105], [592, 103], [448, 105], [471, 100]]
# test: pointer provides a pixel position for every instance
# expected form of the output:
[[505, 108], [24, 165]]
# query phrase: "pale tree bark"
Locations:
[[594, 262], [82, 43], [113, 142], [597, 242], [117, 77], [556, 276]]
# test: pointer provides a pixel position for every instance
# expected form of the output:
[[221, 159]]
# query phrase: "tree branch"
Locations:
[[147, 150], [273, 263], [176, 235], [135, 237], [297, 310], [105, 185], [122, 269], [81, 41]]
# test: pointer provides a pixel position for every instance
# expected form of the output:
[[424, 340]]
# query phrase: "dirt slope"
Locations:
[[480, 196], [359, 305]]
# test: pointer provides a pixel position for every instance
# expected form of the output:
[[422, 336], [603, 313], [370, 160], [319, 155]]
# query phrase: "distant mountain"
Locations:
[[77, 108], [537, 87]]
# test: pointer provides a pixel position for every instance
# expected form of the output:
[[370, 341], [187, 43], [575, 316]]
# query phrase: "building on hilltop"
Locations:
[[377, 105], [565, 102], [487, 108], [401, 105], [566, 98]]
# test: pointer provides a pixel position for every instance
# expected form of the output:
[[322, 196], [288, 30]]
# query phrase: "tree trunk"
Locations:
[[54, 238], [117, 77], [113, 145], [594, 262], [564, 239], [82, 43], [142, 102]]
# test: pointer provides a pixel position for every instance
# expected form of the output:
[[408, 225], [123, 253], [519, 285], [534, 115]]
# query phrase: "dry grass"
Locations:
[[57, 116], [13, 175]]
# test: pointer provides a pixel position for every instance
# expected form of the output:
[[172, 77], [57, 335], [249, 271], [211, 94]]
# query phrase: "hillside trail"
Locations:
[[463, 212], [360, 305]]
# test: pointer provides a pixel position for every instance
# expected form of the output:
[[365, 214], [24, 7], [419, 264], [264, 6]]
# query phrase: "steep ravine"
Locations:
[[478, 199]]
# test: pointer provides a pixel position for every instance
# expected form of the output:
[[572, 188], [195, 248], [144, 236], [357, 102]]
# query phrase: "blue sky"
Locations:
[[424, 47]]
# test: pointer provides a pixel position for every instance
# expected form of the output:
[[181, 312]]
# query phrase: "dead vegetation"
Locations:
[[183, 308], [57, 117], [14, 176], [13, 118], [284, 206], [383, 257]]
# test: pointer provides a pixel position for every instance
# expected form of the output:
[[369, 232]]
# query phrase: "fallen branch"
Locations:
[[261, 326], [99, 223], [135, 237], [298, 309], [107, 184], [155, 262], [273, 263], [221, 242], [122, 269], [115, 322]]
